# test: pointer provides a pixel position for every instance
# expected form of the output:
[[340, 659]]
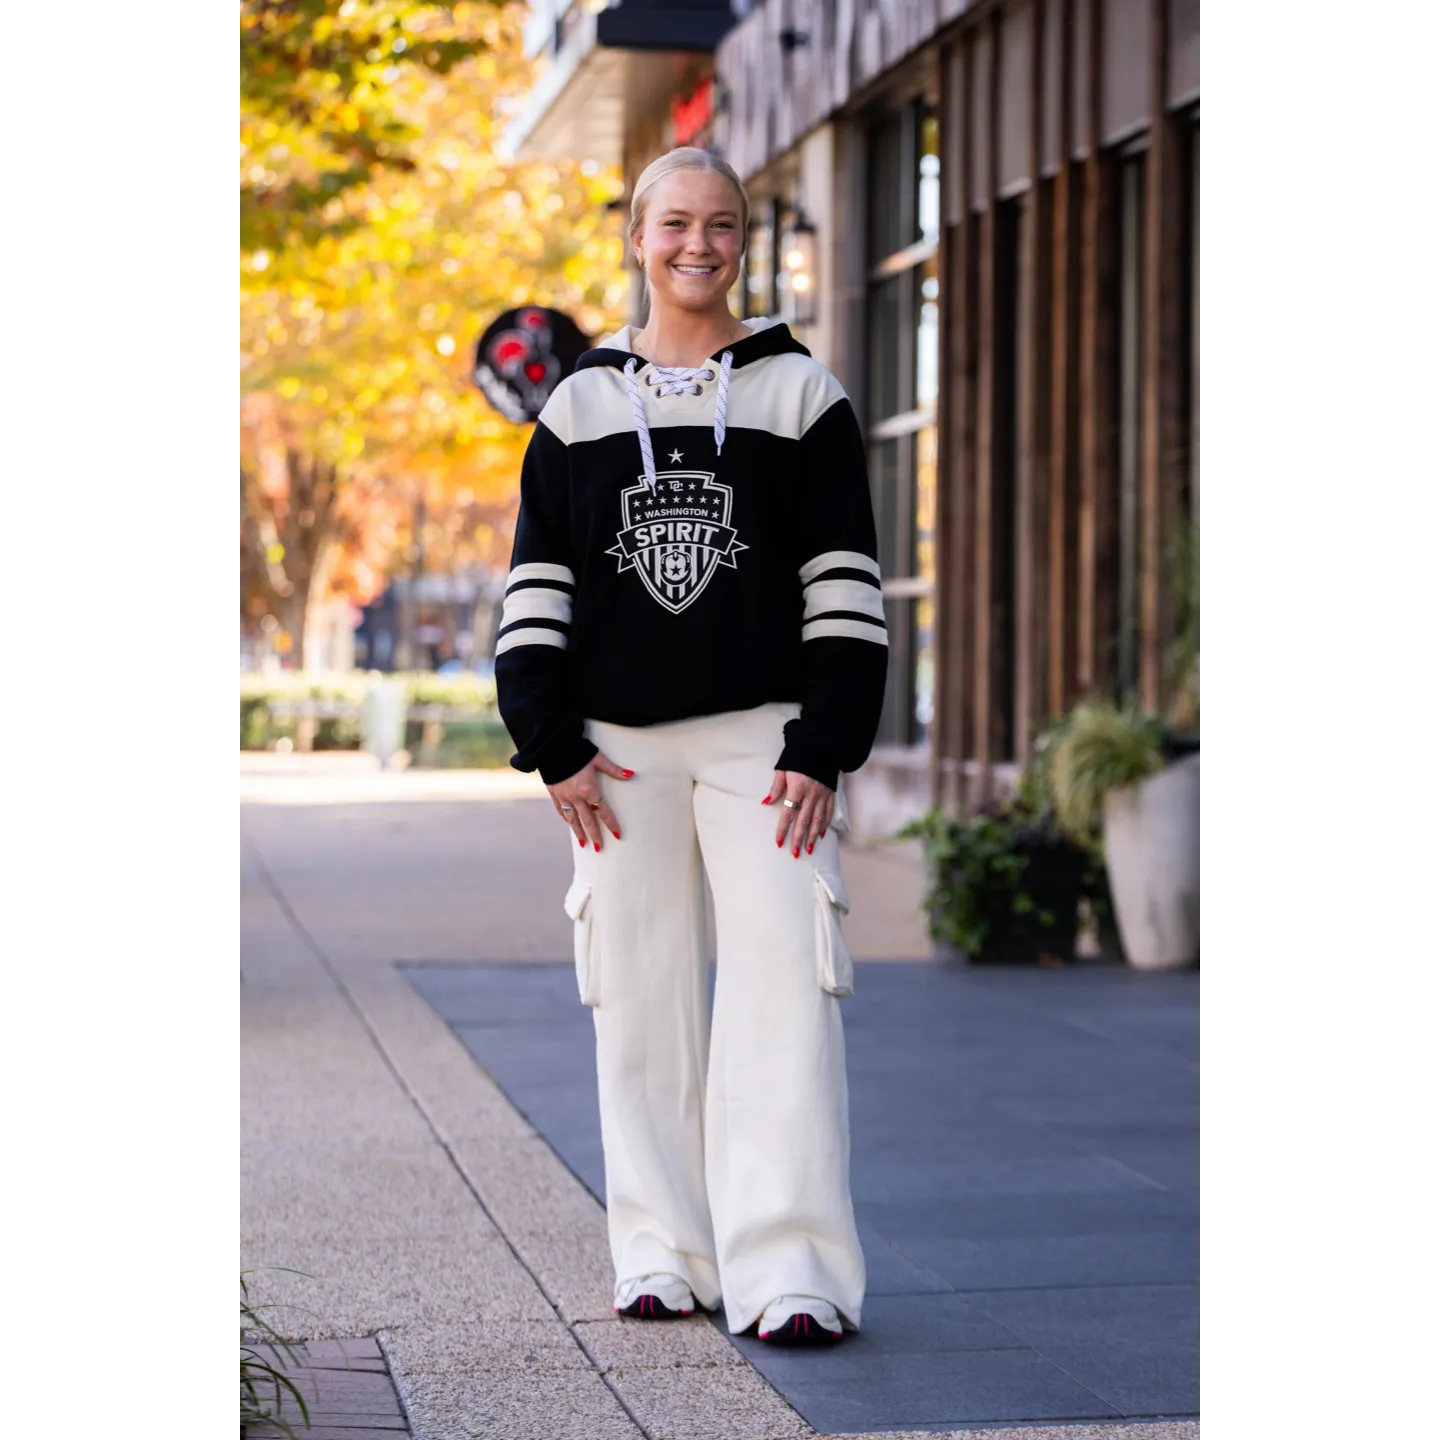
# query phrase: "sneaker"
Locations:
[[800, 1320], [654, 1297]]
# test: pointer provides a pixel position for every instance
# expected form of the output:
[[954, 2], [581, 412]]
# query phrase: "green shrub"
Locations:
[[482, 744], [457, 692], [261, 726]]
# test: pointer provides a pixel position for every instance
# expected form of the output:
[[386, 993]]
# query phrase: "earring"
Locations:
[[640, 260]]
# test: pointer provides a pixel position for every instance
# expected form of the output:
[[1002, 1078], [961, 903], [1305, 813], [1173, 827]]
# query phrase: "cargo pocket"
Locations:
[[836, 969], [580, 908]]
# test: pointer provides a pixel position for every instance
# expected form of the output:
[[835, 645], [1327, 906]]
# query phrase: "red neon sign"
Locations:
[[689, 116]]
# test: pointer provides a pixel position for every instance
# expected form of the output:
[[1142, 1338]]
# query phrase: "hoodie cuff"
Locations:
[[803, 754], [565, 758]]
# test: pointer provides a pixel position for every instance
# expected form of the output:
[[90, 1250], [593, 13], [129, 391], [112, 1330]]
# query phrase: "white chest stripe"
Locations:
[[824, 595], [838, 560], [536, 604], [541, 572]]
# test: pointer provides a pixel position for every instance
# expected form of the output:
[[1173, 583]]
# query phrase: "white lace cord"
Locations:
[[675, 380], [637, 408], [721, 399]]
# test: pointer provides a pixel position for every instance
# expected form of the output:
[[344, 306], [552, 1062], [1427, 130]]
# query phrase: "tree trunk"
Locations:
[[285, 532]]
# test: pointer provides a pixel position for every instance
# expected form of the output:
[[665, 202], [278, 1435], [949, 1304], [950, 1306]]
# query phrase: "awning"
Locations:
[[613, 62], [576, 110]]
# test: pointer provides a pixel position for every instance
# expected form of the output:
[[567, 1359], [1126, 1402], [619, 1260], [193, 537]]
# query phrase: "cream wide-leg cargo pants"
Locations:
[[727, 1144]]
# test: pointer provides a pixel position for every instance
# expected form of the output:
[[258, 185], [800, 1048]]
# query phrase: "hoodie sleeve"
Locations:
[[844, 644], [532, 672]]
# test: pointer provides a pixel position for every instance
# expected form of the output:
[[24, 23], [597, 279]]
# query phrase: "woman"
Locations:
[[693, 631]]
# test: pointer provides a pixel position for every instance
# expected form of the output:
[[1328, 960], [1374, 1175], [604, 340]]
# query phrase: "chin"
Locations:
[[698, 303], [693, 296]]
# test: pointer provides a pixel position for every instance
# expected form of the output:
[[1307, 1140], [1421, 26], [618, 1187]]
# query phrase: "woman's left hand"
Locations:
[[808, 816]]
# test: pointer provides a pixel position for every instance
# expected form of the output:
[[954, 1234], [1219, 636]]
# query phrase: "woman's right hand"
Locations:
[[581, 792]]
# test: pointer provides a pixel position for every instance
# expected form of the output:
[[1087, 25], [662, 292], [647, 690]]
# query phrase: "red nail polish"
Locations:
[[627, 773], [766, 800], [797, 852], [582, 842], [810, 848], [615, 833], [779, 843]]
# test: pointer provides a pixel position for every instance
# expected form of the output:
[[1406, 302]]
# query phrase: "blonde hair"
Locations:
[[684, 157]]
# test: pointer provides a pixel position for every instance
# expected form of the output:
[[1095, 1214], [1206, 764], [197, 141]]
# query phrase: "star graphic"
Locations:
[[676, 457]]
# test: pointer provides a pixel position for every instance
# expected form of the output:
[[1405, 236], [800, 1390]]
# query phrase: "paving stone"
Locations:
[[956, 1387], [713, 1402], [1051, 1261], [978, 1216]]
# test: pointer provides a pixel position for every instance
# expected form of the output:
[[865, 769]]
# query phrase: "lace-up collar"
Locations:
[[675, 380]]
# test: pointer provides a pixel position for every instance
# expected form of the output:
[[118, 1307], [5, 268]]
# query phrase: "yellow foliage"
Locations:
[[346, 331]]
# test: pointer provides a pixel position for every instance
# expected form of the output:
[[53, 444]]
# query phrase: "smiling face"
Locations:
[[691, 240]]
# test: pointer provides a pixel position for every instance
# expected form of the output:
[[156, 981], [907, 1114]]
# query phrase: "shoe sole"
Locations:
[[648, 1307], [802, 1329]]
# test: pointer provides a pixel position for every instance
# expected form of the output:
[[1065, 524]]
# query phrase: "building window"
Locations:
[[902, 388], [761, 271]]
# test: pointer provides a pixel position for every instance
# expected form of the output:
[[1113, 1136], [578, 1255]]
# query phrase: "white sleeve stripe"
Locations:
[[531, 635], [838, 560], [543, 572], [854, 629], [537, 604], [823, 595]]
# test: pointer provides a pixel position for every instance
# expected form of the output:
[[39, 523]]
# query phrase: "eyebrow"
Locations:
[[673, 210]]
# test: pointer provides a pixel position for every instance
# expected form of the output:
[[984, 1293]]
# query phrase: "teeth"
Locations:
[[696, 269]]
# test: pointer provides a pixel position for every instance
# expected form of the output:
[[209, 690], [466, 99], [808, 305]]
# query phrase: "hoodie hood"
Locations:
[[766, 338]]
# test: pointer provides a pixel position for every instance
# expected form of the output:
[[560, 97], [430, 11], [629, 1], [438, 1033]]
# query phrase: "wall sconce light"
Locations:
[[792, 39], [799, 256]]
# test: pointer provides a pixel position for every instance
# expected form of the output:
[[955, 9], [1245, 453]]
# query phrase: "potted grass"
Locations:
[[1140, 783]]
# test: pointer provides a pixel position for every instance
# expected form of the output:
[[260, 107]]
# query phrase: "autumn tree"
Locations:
[[367, 274]]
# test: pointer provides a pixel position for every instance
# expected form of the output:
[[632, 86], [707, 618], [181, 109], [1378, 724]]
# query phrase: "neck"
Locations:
[[683, 337]]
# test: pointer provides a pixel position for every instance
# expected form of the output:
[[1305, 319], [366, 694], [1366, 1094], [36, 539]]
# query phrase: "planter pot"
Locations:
[[1179, 747], [1053, 880], [1152, 858]]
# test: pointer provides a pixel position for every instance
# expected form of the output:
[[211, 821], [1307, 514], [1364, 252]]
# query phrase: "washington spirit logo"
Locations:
[[678, 536]]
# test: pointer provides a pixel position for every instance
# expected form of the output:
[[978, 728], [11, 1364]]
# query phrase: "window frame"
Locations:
[[901, 433]]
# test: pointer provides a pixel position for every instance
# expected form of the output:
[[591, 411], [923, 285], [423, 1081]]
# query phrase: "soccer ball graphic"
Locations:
[[675, 567]]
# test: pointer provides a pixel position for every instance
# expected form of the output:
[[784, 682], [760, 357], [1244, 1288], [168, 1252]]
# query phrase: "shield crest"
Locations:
[[677, 537]]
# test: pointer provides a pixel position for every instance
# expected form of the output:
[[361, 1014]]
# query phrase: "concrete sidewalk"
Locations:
[[382, 1161]]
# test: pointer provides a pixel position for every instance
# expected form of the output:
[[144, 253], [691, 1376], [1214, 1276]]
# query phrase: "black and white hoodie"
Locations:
[[693, 541]]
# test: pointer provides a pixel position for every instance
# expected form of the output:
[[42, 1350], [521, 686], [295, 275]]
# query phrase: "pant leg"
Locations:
[[651, 1022], [777, 1112]]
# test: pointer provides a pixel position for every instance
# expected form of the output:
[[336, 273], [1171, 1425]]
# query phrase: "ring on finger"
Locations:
[[566, 809], [791, 804]]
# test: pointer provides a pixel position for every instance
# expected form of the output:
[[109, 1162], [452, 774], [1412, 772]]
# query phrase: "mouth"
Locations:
[[698, 270]]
